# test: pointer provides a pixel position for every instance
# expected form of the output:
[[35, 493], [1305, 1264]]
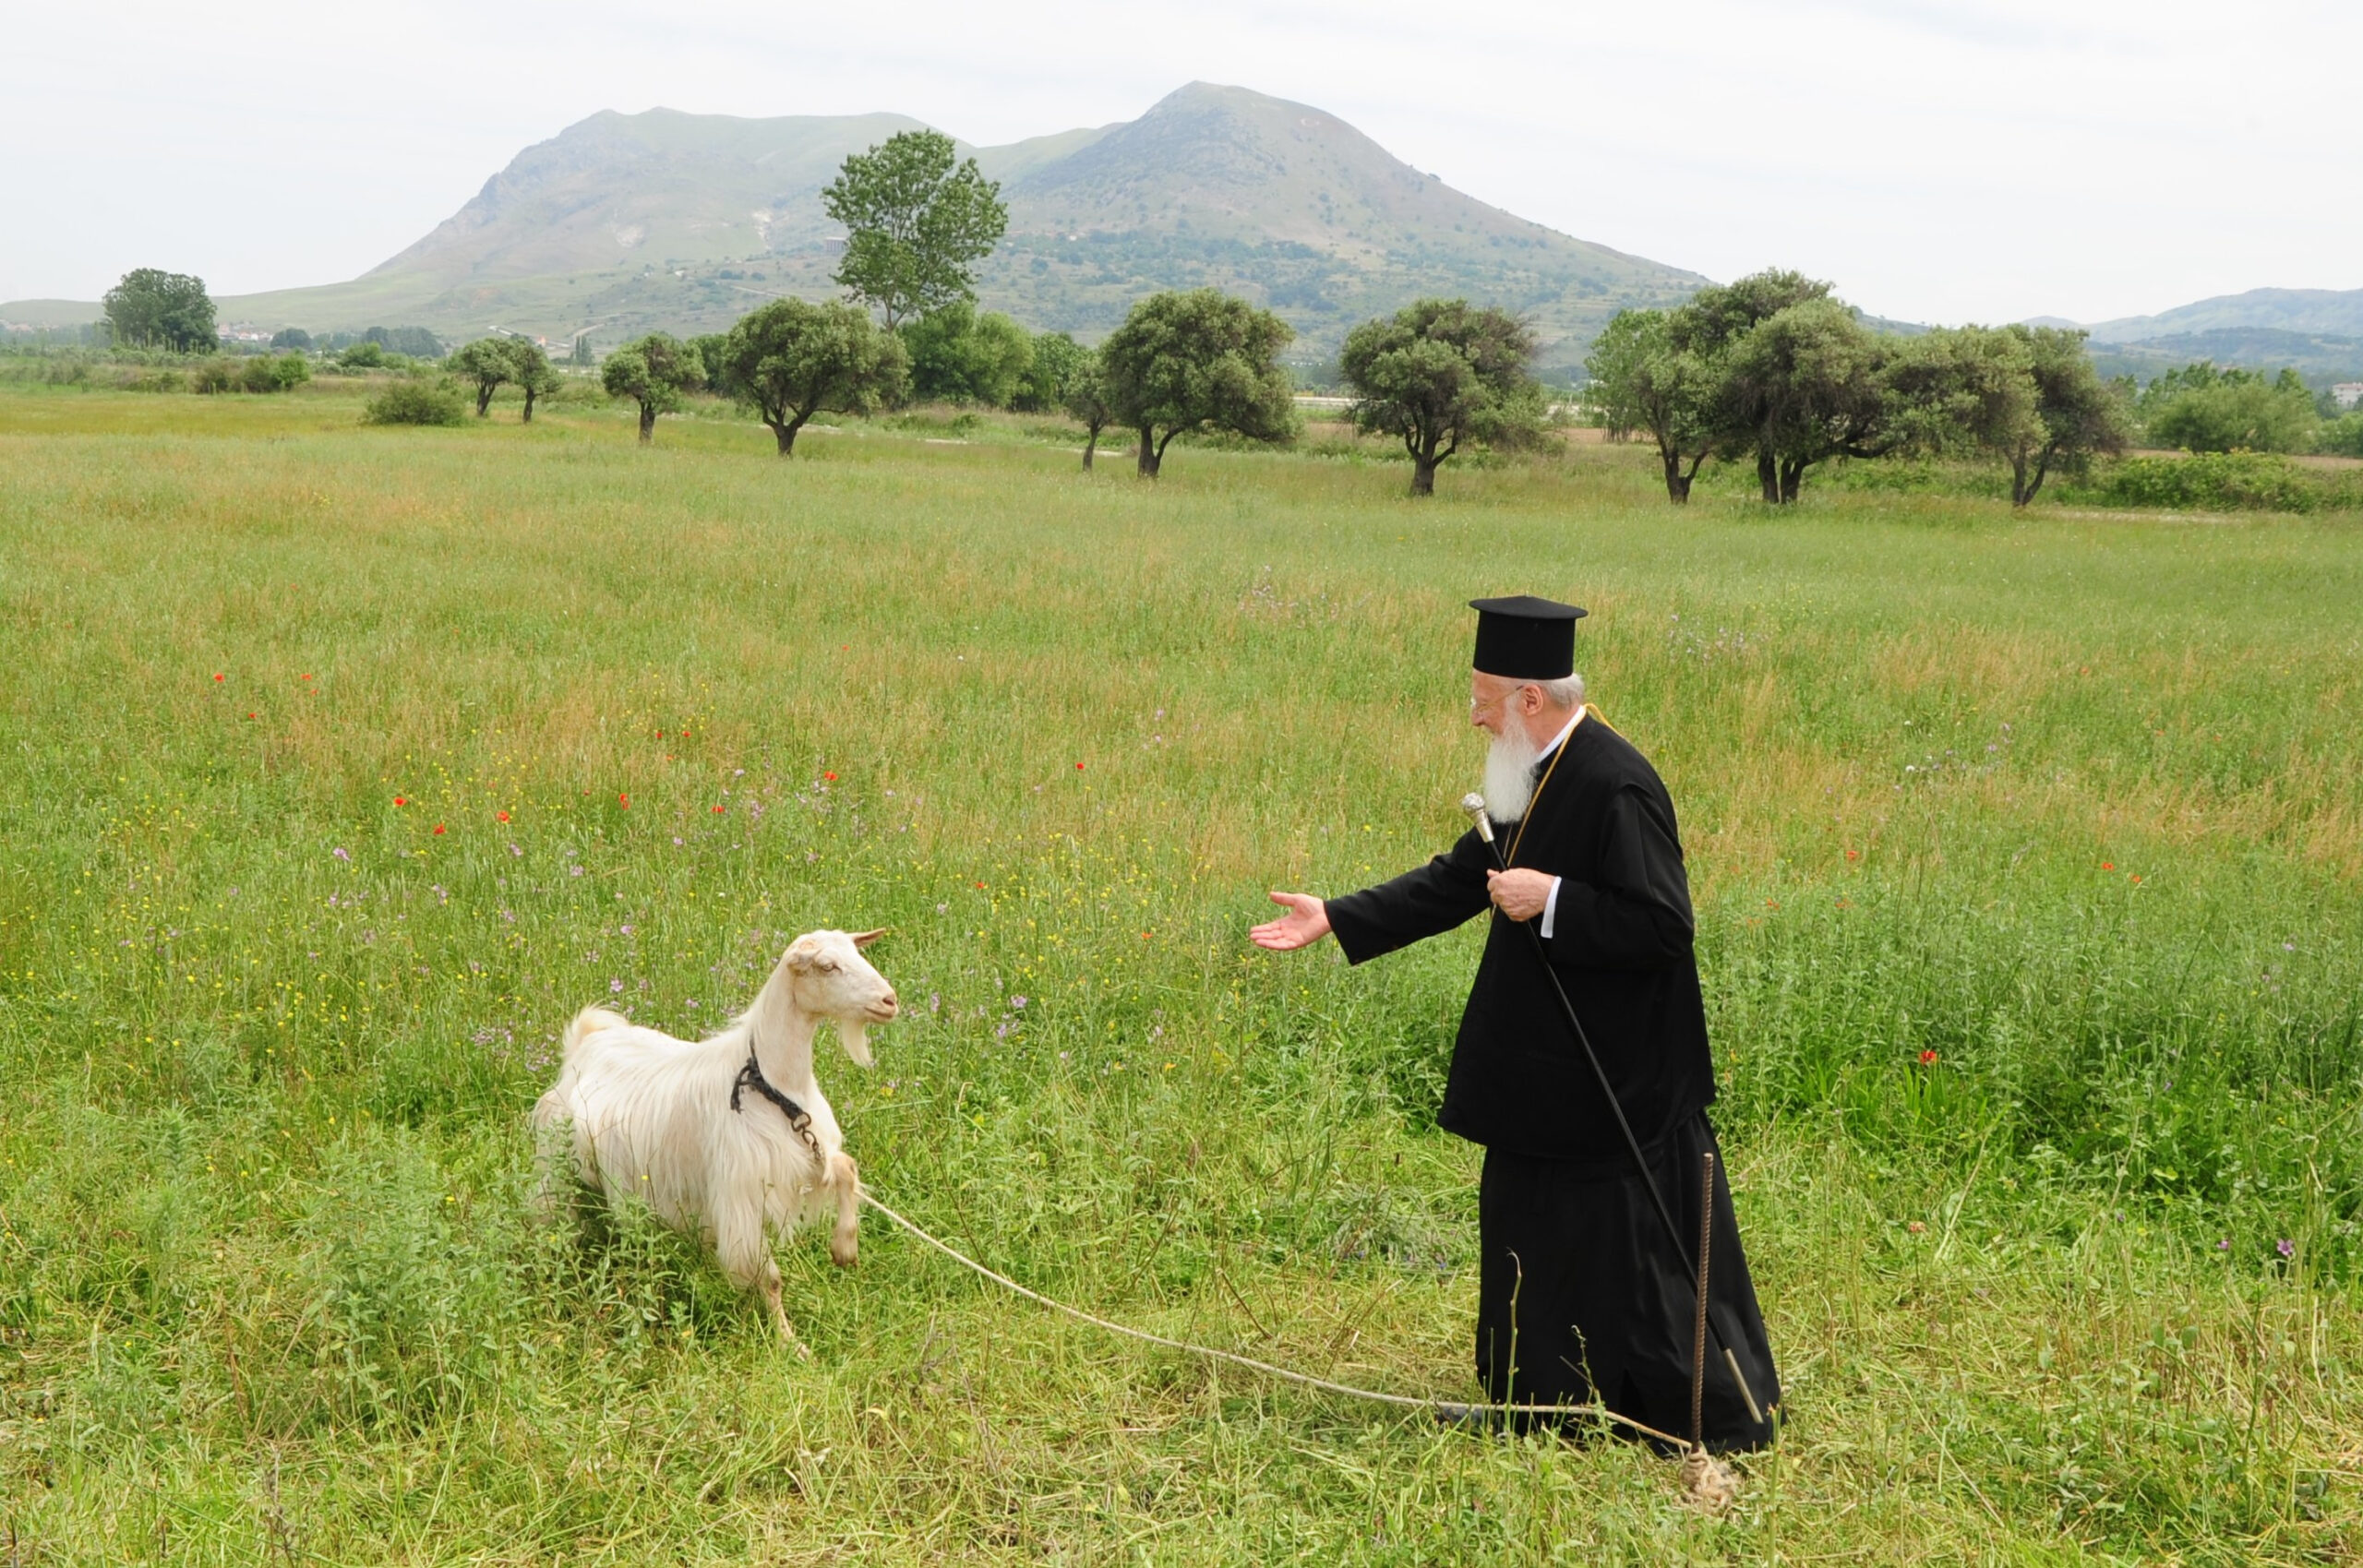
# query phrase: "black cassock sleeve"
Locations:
[[1636, 915], [1439, 895]]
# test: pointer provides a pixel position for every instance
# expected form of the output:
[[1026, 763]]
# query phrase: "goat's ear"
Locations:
[[863, 938]]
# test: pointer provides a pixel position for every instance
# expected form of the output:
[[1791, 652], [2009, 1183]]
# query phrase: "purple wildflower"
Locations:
[[614, 984], [2285, 1247], [340, 853]]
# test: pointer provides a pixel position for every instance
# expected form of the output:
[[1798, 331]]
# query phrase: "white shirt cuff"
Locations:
[[1550, 908]]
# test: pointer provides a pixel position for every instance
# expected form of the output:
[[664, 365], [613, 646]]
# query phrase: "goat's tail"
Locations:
[[590, 1020]]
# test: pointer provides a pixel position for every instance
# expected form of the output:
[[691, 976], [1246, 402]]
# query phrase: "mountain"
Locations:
[[626, 223], [2321, 358], [2337, 312]]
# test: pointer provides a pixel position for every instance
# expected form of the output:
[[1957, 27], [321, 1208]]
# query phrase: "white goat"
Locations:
[[700, 1132]]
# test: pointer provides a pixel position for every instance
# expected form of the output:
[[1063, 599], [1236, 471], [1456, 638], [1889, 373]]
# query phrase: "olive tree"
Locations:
[[1087, 403], [1440, 372], [531, 370], [655, 372], [791, 359], [485, 364], [1639, 378], [1198, 360]]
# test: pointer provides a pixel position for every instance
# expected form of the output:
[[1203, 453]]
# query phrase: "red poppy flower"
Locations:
[[217, 674], [501, 815], [2137, 875], [980, 885], [717, 810], [624, 801], [250, 715], [1853, 854], [2109, 866], [1928, 1058], [831, 777], [400, 801], [438, 827]]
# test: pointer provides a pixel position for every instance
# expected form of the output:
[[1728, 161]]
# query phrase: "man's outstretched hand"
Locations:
[[1306, 922]]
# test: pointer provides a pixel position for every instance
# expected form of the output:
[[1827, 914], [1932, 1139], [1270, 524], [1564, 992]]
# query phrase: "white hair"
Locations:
[[1567, 691]]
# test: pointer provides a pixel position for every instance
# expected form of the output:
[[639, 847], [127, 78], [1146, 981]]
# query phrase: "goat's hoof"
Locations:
[[803, 1351], [843, 1253]]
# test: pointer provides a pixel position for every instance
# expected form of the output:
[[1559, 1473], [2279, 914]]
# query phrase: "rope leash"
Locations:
[[1303, 1379]]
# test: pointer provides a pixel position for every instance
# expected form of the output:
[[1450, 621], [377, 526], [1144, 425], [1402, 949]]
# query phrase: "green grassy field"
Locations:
[[2074, 802]]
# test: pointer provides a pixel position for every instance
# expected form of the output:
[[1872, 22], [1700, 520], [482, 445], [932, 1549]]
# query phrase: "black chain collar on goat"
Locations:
[[752, 1077]]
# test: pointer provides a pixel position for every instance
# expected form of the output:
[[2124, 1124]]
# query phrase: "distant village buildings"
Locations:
[[2347, 394]]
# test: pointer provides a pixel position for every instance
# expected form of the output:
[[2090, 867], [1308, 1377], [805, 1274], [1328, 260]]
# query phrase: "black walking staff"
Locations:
[[1475, 806]]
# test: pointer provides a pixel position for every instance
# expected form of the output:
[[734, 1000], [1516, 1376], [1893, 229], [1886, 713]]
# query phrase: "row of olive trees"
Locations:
[[1772, 368], [1438, 376]]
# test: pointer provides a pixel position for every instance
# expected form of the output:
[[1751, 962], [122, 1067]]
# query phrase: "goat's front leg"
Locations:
[[738, 1244], [846, 1178]]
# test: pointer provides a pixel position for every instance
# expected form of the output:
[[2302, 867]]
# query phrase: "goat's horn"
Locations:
[[863, 938]]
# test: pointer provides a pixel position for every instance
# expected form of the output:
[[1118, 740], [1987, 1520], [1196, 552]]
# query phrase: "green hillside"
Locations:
[[626, 223], [2337, 312], [2321, 357]]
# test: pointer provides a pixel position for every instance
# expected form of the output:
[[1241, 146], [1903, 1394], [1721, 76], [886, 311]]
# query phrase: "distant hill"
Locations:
[[2335, 312], [2322, 358], [626, 223]]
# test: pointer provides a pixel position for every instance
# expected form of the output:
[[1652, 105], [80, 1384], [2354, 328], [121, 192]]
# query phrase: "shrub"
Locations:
[[275, 373], [417, 402], [2344, 437], [2215, 482]]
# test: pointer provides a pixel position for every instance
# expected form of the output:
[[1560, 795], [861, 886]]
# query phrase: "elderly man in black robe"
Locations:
[[1581, 1292]]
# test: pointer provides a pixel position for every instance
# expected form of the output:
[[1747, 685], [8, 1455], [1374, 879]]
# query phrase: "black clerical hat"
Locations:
[[1526, 637]]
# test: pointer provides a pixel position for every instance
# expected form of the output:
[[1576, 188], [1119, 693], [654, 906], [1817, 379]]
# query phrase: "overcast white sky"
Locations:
[[1976, 160]]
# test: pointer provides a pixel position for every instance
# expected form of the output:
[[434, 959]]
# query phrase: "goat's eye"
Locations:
[[827, 966]]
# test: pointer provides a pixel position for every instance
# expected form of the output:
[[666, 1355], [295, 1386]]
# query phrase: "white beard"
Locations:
[[1509, 773]]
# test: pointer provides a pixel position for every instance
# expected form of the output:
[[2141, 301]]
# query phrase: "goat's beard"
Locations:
[[854, 1035], [1509, 773]]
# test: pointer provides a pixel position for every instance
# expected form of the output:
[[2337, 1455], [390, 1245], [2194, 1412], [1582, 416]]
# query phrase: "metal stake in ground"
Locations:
[[1475, 806]]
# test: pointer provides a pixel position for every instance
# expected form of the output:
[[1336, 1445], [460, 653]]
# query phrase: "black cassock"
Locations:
[[1579, 1289]]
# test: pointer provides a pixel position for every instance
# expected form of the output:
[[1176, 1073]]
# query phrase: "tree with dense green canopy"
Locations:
[[917, 224], [655, 372], [2202, 407], [791, 359], [150, 308], [485, 363], [1198, 360], [1712, 325], [960, 356], [1051, 374], [1811, 379], [2343, 437], [533, 372], [1087, 403], [415, 342], [292, 338], [1440, 372], [2072, 415], [1643, 379], [707, 349]]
